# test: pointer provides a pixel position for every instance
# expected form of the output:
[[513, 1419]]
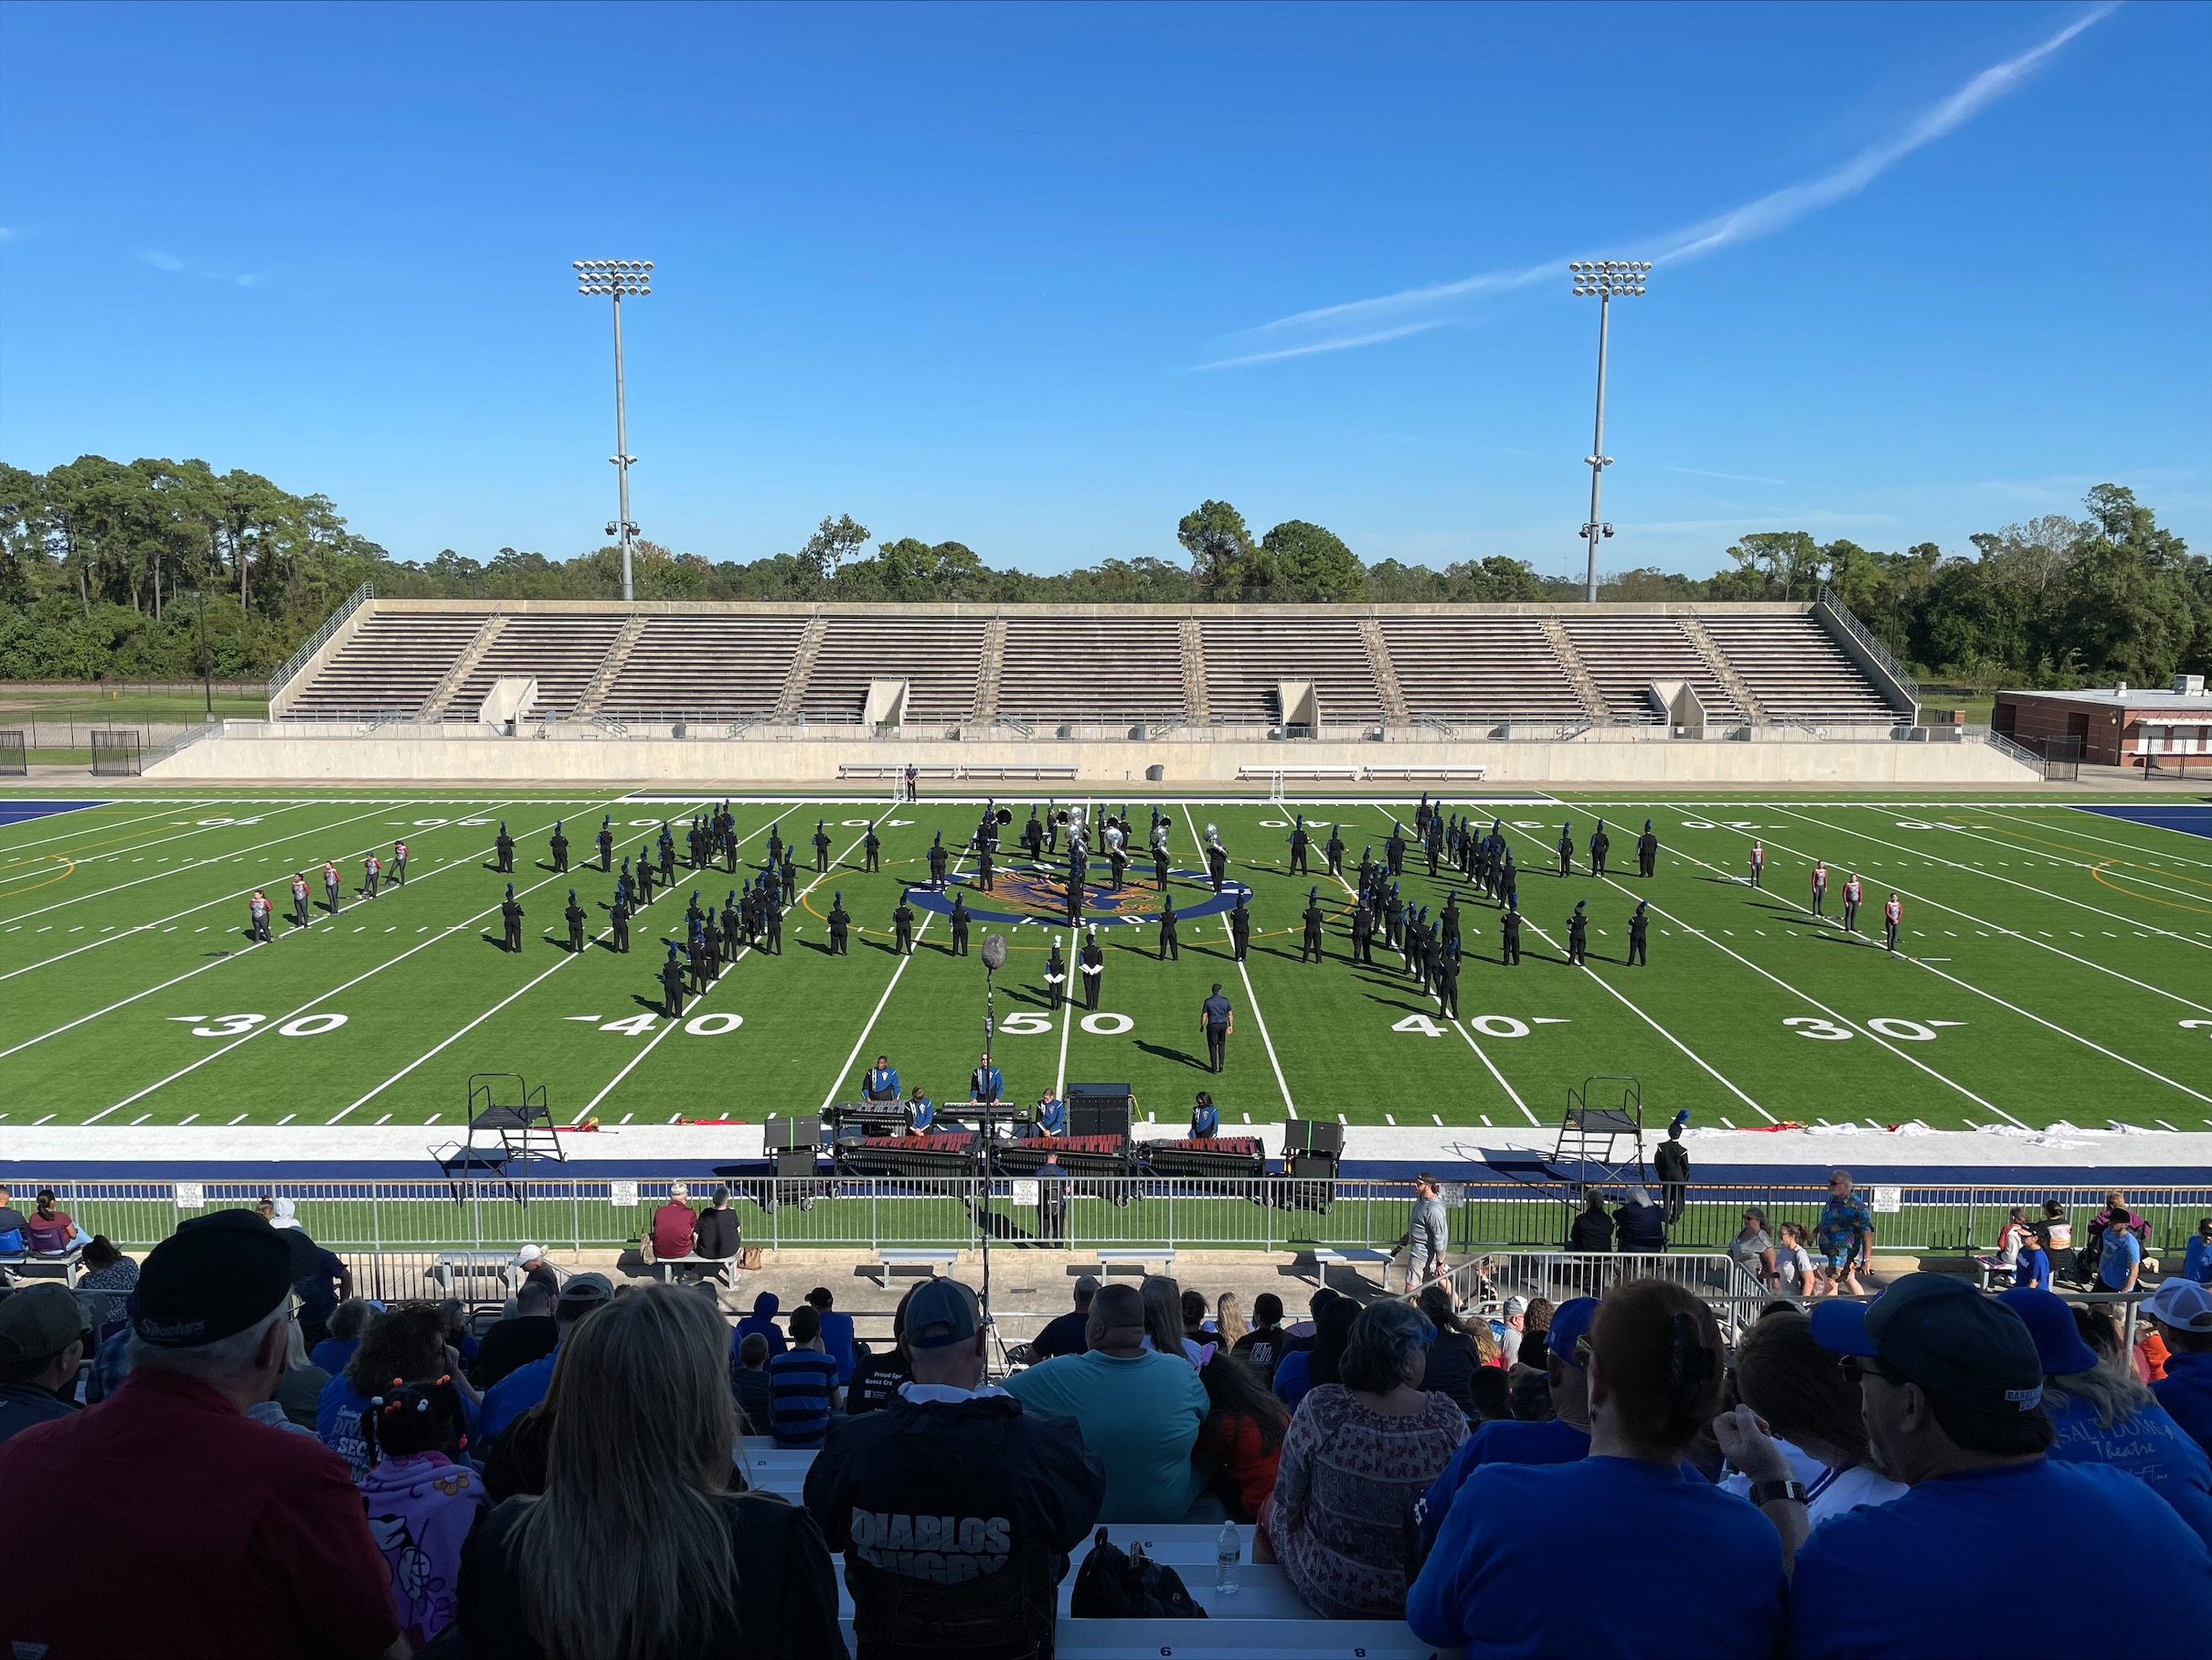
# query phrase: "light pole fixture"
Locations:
[[1603, 278], [616, 278]]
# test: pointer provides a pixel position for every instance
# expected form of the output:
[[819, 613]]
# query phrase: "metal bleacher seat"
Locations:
[[726, 667], [1480, 667], [1249, 657], [1103, 670], [1625, 653], [562, 650], [392, 661], [1796, 669]]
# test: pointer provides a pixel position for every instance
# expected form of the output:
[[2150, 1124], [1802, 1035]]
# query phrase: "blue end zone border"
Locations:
[[22, 812], [2191, 818]]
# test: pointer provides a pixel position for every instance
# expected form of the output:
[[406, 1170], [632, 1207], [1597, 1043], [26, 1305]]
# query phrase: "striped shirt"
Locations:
[[799, 1384]]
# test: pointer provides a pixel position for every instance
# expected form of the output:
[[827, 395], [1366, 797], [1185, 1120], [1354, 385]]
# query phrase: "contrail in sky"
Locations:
[[1336, 328]]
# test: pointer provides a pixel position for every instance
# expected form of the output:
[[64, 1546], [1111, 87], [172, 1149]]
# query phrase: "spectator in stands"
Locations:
[[1752, 1249], [1513, 1313], [1302, 1368], [639, 1546], [1452, 1355], [1560, 1436], [11, 1223], [1529, 1397], [346, 1323], [2183, 1310], [41, 1341], [836, 1333], [1240, 1442], [749, 1383], [1138, 1409], [2031, 1262], [1793, 1263], [675, 1229], [1194, 1319], [1592, 1230], [420, 1506], [527, 1335], [2012, 1235], [1812, 1412], [1656, 1360], [1163, 1317], [2119, 1250], [1536, 1335], [460, 1333], [106, 1270], [876, 1377], [2117, 1214], [2056, 1233], [1353, 1464], [2103, 1415], [298, 1392], [189, 1527], [581, 1296], [1005, 1491], [801, 1384], [1950, 1391], [1229, 1328], [400, 1344], [716, 1233], [765, 1307], [1262, 1347], [1491, 1389], [1303, 1334], [1640, 1224], [1845, 1233], [48, 1231], [2196, 1261], [1064, 1334]]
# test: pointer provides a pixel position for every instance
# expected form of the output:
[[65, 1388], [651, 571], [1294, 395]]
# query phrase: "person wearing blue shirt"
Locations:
[[836, 1330], [2183, 1310], [2196, 1261], [921, 1112], [1205, 1118], [882, 1081], [2032, 1268], [2103, 1416], [1951, 1388], [2120, 1257], [525, 1386], [1051, 1115], [986, 1083], [1558, 1440], [1655, 1362], [763, 1320]]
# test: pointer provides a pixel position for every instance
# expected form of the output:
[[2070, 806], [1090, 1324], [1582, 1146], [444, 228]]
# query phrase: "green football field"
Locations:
[[2056, 965]]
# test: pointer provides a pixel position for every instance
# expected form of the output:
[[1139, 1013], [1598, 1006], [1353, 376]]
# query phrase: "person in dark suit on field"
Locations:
[[1446, 984], [644, 874], [1216, 1020], [1300, 841], [1056, 977], [1509, 937], [606, 844], [560, 846], [1092, 963], [1170, 946], [937, 859], [510, 916], [1647, 851], [1639, 929], [871, 848], [902, 928], [618, 919], [1333, 848], [1600, 844], [960, 925], [1239, 929], [822, 846], [672, 985], [733, 927], [771, 921], [574, 915], [505, 846], [1309, 947], [1578, 935], [840, 926], [1362, 933]]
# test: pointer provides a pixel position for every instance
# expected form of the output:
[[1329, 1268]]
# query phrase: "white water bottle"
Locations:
[[1229, 1550]]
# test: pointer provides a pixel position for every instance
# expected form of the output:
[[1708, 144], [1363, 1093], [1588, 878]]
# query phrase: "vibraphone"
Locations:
[[1222, 1157], [1078, 1154], [944, 1154]]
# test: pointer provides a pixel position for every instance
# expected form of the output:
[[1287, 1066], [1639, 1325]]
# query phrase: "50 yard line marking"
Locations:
[[1251, 997]]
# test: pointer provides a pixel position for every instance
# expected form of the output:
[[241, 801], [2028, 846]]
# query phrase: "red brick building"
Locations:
[[2116, 727]]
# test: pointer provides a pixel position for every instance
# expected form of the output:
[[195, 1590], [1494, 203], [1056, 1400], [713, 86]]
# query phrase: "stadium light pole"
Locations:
[[1603, 278], [616, 278]]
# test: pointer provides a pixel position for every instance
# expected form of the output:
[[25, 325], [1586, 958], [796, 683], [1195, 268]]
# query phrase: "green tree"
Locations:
[[1310, 563], [833, 542], [1223, 561]]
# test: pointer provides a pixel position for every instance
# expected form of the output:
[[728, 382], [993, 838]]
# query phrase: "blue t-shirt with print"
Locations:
[[1916, 1576], [2148, 1444], [1480, 1587], [2121, 1251], [2033, 1267]]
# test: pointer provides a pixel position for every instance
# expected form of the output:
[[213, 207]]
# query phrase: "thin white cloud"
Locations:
[[1336, 328], [1737, 478], [162, 262]]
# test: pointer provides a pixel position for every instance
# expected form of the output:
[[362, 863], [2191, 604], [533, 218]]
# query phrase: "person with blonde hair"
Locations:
[[1229, 1328], [638, 1549]]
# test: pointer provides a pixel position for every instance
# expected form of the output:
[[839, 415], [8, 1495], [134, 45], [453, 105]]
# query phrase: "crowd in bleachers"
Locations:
[[266, 1463]]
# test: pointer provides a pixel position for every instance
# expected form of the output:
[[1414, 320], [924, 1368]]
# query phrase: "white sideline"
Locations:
[[2064, 827], [12, 847]]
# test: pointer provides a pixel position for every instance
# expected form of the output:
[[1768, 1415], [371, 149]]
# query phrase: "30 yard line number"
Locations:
[[1888, 1026], [238, 1026]]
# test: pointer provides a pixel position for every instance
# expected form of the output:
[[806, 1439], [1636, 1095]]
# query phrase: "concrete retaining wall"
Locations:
[[724, 762]]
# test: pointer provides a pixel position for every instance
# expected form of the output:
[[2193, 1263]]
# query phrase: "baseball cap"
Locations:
[[1944, 1336], [38, 1322], [580, 1293], [528, 1254], [941, 1313], [213, 1278], [1569, 1325], [1516, 1305], [2183, 1304], [2050, 1322]]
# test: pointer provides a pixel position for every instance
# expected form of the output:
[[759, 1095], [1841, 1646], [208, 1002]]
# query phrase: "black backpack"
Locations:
[[1114, 1584]]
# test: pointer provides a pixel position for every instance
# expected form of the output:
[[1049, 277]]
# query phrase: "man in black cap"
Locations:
[[1950, 1391], [240, 1539], [41, 1341], [575, 917], [960, 925], [559, 846], [840, 928], [510, 921], [505, 846], [1001, 1492]]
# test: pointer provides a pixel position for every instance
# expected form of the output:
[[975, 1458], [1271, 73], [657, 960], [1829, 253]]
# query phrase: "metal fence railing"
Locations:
[[1279, 1213], [313, 643], [1736, 1296]]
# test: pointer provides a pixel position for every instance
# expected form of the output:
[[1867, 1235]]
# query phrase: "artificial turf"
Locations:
[[2055, 966]]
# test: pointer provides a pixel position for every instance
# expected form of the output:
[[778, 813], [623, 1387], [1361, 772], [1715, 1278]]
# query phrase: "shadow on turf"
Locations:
[[1182, 1056]]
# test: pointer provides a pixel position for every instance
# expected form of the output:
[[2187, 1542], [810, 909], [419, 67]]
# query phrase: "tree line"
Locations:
[[106, 568]]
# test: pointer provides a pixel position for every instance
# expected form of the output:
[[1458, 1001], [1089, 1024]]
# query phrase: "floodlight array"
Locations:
[[1608, 277], [615, 277]]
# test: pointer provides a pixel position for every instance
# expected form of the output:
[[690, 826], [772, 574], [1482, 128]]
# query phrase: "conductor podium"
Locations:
[[509, 1125]]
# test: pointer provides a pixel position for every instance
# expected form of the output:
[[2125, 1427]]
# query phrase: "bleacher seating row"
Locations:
[[430, 660]]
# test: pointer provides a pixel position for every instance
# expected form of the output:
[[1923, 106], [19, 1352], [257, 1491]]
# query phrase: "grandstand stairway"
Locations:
[[1717, 661], [595, 691], [1797, 670], [1384, 671], [386, 665], [1594, 705], [987, 674], [801, 668], [1193, 640], [1625, 653], [463, 666]]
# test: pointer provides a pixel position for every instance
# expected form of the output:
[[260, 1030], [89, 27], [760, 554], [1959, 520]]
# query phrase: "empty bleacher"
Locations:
[[1796, 669], [940, 658], [388, 664], [563, 650], [1479, 666], [714, 667], [1099, 669], [1625, 653], [1247, 657]]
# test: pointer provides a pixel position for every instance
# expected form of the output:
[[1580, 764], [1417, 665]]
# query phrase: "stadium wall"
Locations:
[[251, 758]]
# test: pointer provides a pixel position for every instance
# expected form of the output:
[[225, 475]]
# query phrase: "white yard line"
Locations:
[[1512, 1095], [134, 850], [83, 824], [1251, 998], [2067, 826], [2087, 861]]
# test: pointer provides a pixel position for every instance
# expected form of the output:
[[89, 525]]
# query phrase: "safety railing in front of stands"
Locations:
[[314, 641], [851, 1213], [1866, 637]]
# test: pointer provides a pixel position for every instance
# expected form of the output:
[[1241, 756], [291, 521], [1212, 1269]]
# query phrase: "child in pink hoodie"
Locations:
[[421, 1503]]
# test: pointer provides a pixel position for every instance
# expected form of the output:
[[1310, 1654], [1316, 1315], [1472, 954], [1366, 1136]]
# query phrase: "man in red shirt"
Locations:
[[673, 1225], [241, 1539]]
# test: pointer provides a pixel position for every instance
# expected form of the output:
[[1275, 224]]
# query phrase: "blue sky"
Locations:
[[989, 274]]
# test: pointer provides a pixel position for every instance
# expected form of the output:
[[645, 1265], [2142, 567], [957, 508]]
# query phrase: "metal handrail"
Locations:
[[1865, 637], [315, 642]]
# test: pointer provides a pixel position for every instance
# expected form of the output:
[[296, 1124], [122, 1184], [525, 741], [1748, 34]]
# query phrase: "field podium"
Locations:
[[509, 1124]]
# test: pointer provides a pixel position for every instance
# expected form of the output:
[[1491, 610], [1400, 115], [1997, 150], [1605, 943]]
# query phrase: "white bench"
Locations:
[[1475, 771], [1060, 772], [878, 769], [724, 1269], [1326, 1257], [933, 1260], [70, 1261], [1348, 774], [1141, 1256], [451, 1269]]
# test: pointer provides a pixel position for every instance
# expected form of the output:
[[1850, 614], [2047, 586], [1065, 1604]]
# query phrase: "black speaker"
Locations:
[[794, 1161], [783, 1134], [1317, 1136], [1099, 1109], [1311, 1164]]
